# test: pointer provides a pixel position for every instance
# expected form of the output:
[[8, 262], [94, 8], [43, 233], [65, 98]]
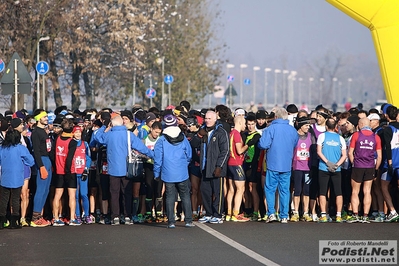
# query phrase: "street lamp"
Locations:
[[349, 89], [291, 79], [285, 85], [300, 90], [265, 92], [256, 68], [37, 72], [276, 71], [161, 60], [242, 66], [334, 88], [228, 66], [310, 91], [321, 89]]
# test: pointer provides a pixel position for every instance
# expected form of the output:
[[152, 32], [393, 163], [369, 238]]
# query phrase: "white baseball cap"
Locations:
[[374, 117]]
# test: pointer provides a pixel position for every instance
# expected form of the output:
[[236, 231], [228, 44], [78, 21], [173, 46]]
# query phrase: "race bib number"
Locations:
[[79, 162], [48, 145], [302, 155]]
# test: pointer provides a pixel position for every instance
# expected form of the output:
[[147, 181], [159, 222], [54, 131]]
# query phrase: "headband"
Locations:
[[40, 115]]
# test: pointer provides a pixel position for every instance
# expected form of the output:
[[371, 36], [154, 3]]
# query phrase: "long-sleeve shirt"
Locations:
[[41, 143]]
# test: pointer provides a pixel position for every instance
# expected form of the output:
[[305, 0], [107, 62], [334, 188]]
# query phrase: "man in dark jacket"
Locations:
[[214, 155]]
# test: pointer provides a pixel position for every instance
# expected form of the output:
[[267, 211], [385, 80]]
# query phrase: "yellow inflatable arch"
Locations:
[[382, 18]]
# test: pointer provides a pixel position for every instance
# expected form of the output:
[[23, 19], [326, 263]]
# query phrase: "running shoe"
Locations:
[[88, 220], [171, 226], [254, 217], [115, 221], [344, 215], [205, 219], [195, 217], [65, 220], [323, 219], [294, 218], [264, 218], [307, 218], [277, 217], [79, 220], [338, 219], [228, 218], [39, 223], [23, 222], [378, 219], [392, 218], [239, 218], [58, 223], [216, 220], [75, 222], [353, 219], [271, 218], [284, 220], [315, 218], [135, 219], [159, 219], [149, 219], [141, 218], [365, 220], [128, 221], [190, 225]]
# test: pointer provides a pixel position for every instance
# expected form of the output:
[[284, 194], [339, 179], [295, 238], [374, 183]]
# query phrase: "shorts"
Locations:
[[329, 178], [66, 181], [27, 172], [387, 177], [360, 175], [194, 170], [251, 174], [236, 173], [301, 182]]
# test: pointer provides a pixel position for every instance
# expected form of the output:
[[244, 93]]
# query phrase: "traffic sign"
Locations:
[[8, 78], [168, 79], [247, 81], [2, 65], [230, 78], [150, 93], [42, 67]]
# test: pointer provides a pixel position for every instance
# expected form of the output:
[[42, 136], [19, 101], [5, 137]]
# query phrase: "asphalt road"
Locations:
[[252, 243]]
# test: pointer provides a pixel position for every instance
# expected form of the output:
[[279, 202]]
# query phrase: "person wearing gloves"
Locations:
[[80, 164], [331, 149], [115, 137], [42, 146], [172, 156], [13, 157]]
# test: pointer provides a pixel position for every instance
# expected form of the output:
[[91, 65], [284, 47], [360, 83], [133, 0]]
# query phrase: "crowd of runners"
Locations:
[[212, 166]]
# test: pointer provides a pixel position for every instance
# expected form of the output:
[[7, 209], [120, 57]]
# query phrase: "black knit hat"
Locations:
[[15, 122], [354, 120]]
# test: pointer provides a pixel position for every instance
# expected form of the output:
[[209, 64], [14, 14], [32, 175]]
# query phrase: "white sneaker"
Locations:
[[284, 220], [215, 220], [205, 219]]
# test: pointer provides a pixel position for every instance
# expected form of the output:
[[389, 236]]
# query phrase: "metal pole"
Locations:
[[134, 86], [44, 94], [38, 79], [169, 95], [163, 84], [254, 91], [16, 84]]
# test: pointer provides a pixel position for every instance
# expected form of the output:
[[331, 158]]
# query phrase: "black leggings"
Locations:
[[324, 179], [152, 186], [104, 181], [13, 195]]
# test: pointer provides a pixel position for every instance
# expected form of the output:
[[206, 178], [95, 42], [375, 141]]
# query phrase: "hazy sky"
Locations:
[[258, 31]]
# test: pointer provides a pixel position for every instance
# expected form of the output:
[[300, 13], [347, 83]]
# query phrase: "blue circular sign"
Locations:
[[150, 93], [2, 65], [230, 78], [42, 67], [247, 81], [168, 79]]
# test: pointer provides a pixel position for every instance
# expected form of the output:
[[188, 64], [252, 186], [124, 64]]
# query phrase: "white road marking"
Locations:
[[237, 245]]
